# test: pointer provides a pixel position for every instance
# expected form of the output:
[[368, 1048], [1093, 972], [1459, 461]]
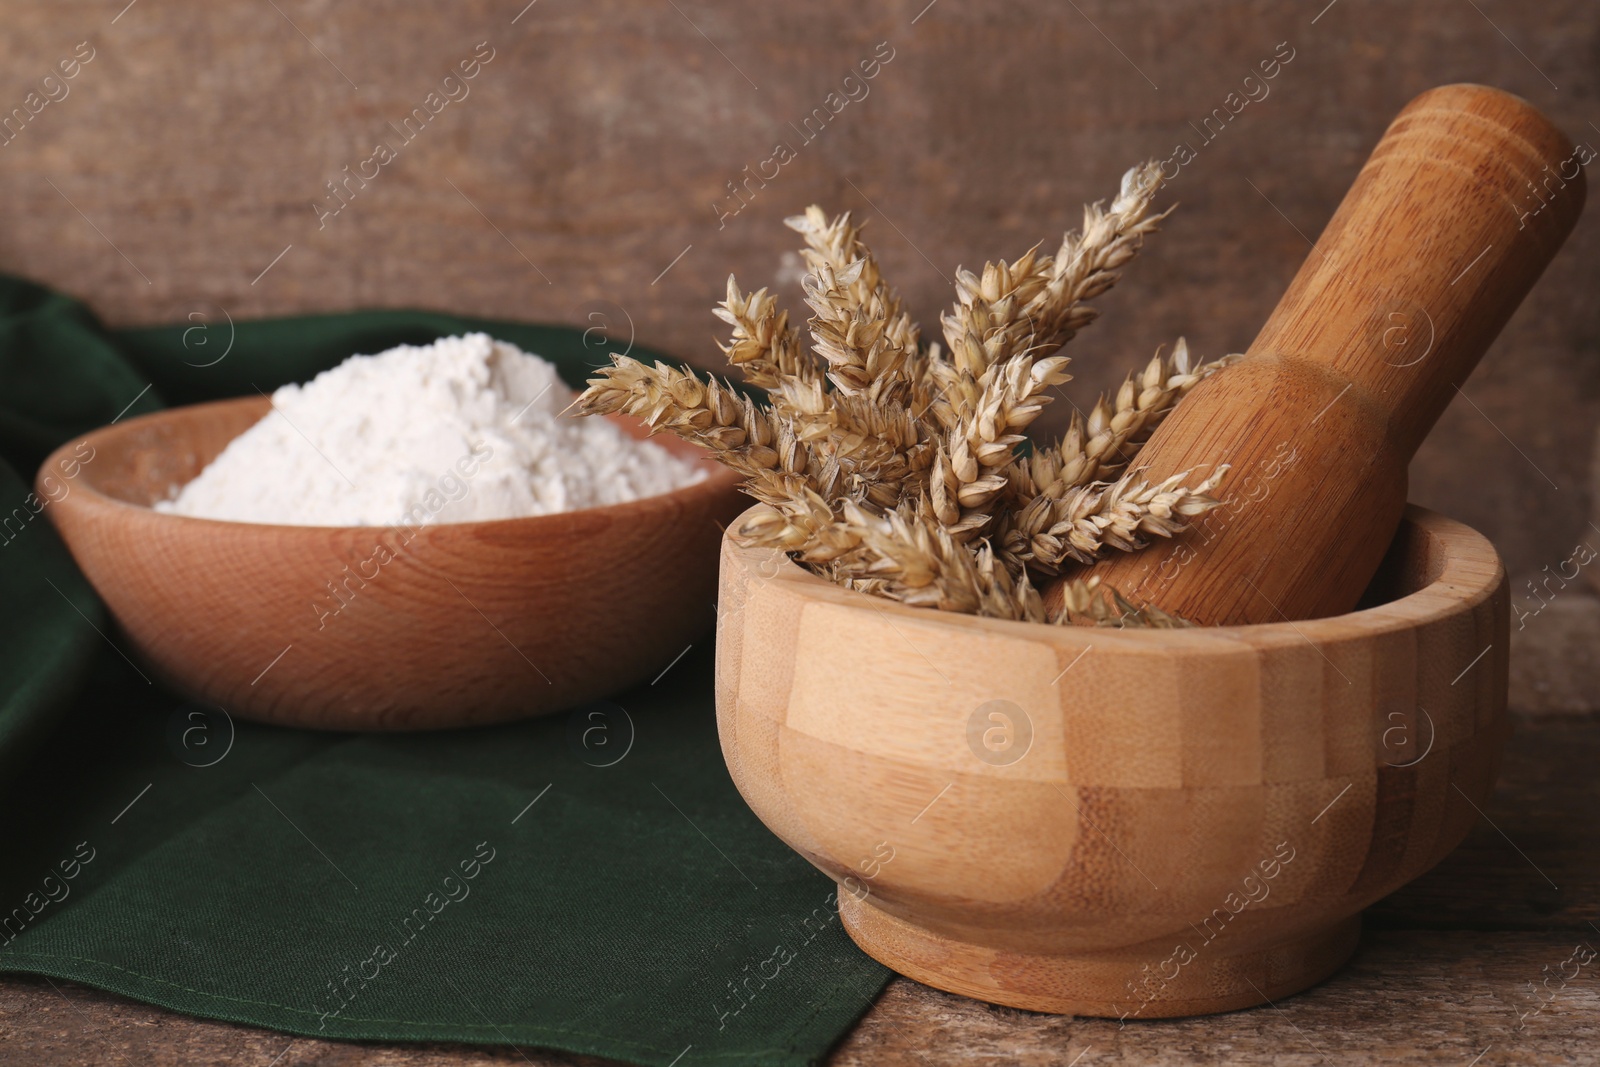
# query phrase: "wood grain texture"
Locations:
[[1408, 998], [601, 134], [1046, 817], [1461, 206], [1420, 999], [1442, 974], [399, 628]]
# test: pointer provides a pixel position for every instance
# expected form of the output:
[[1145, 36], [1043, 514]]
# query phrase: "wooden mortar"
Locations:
[[1458, 210], [1137, 823]]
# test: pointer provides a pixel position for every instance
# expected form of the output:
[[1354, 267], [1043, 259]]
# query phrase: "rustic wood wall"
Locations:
[[582, 174]]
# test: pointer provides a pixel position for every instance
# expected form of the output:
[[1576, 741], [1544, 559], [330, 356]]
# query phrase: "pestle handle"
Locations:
[[1460, 207], [1453, 218]]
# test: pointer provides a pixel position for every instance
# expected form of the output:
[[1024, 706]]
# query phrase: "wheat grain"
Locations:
[[759, 443], [867, 350]]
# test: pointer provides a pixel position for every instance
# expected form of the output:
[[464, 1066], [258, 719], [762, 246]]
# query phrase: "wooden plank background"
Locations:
[[583, 177]]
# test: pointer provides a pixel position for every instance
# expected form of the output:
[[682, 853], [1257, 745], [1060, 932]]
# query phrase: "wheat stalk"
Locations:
[[902, 472], [971, 468], [1090, 262], [760, 444], [904, 556], [1102, 606], [1000, 330], [836, 244], [1089, 519], [1099, 447], [1039, 302], [766, 349], [858, 329]]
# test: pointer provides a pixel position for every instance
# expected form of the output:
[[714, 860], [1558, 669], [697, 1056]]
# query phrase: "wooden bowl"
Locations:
[[310, 626], [1117, 823]]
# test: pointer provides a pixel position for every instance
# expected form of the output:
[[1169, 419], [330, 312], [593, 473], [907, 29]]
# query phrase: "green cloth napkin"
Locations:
[[589, 882]]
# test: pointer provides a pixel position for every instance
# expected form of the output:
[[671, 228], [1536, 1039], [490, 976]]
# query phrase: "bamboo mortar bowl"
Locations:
[[1108, 822], [467, 623]]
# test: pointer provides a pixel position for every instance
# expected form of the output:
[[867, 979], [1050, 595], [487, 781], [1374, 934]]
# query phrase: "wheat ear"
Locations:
[[765, 347], [1090, 262], [1092, 602], [869, 345], [896, 471], [1099, 447], [1123, 515], [758, 443]]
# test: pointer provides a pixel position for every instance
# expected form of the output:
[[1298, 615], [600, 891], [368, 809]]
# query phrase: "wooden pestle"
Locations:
[[1454, 216]]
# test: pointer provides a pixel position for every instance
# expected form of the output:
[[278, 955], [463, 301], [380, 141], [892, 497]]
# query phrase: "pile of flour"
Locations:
[[462, 430]]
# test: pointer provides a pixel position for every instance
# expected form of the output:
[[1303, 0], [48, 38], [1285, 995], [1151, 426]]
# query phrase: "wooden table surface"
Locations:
[[1446, 970]]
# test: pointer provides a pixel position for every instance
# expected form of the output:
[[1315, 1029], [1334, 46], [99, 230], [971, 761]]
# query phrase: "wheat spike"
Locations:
[[757, 442], [869, 345], [1090, 262], [766, 349], [1040, 302], [1101, 605], [1099, 447], [899, 471], [1122, 515]]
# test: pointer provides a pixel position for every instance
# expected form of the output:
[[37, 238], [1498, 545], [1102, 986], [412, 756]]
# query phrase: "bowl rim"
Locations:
[[717, 480], [1472, 572]]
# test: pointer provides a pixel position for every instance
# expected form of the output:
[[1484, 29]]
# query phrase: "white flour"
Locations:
[[465, 429]]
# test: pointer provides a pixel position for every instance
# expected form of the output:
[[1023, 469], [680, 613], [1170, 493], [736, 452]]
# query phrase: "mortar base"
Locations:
[[1101, 984]]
